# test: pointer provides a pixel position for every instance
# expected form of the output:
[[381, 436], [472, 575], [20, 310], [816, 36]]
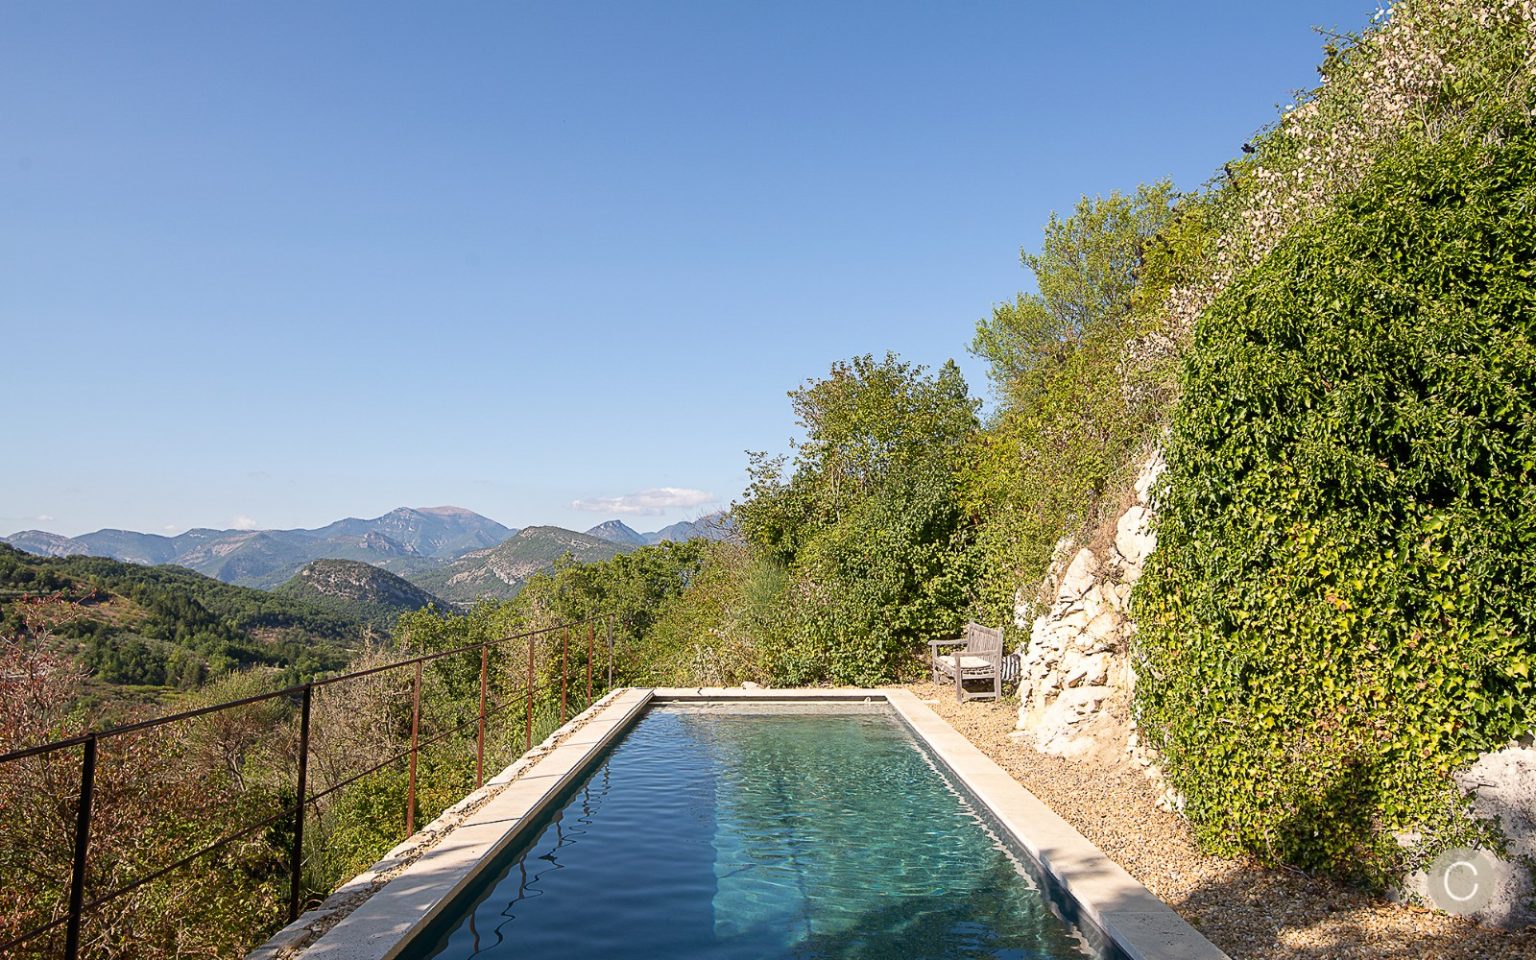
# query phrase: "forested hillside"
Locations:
[[163, 626], [357, 591]]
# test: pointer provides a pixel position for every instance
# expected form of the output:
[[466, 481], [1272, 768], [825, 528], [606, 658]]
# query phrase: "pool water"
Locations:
[[774, 833]]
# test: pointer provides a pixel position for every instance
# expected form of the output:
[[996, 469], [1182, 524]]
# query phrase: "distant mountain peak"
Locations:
[[444, 511], [500, 571], [617, 531], [712, 526], [45, 544]]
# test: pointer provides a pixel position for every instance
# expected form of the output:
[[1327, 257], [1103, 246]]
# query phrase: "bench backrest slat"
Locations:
[[983, 641]]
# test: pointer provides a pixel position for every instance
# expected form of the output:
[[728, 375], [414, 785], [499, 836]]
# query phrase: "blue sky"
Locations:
[[273, 264]]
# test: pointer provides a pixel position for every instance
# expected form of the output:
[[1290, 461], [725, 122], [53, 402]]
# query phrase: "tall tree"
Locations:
[[1086, 273], [868, 523]]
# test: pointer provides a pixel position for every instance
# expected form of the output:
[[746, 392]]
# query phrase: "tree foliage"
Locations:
[[1081, 377], [1086, 274], [867, 525]]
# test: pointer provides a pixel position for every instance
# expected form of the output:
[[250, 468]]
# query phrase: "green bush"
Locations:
[[870, 590], [1340, 609], [713, 633], [868, 526]]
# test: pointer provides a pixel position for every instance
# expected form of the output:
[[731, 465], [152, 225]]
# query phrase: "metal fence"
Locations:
[[82, 902]]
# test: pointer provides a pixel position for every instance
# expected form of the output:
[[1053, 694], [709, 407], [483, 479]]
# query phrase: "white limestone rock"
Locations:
[[1086, 671], [1082, 574], [1503, 787], [1057, 730], [1147, 477], [1134, 539], [1076, 659]]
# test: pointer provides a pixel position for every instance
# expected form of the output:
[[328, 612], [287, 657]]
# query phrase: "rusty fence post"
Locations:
[[82, 847], [565, 660], [591, 634], [296, 855], [485, 660], [528, 697], [410, 782]]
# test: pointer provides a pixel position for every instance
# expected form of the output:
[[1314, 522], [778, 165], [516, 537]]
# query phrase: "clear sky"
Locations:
[[278, 263]]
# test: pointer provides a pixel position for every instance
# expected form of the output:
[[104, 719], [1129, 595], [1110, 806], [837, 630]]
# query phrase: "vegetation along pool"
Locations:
[[761, 832]]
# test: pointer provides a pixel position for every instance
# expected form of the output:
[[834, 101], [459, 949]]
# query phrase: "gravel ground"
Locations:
[[1251, 912]]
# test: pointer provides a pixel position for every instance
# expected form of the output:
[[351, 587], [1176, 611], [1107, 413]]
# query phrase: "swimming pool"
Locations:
[[765, 831]]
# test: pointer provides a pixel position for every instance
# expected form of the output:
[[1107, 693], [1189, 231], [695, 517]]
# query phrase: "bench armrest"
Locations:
[[942, 643]]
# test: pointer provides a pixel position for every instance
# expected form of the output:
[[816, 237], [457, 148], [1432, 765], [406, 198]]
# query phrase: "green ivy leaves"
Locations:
[[1342, 607]]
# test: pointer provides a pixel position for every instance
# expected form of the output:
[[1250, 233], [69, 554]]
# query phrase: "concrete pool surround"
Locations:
[[388, 905]]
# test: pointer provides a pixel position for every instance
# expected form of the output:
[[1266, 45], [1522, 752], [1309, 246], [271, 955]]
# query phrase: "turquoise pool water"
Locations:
[[768, 834]]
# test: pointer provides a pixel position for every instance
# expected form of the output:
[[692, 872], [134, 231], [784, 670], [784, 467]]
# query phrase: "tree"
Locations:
[[865, 422], [1086, 273], [1077, 368], [868, 525]]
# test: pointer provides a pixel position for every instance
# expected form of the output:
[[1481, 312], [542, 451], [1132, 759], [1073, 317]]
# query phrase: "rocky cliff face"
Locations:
[[1077, 681]]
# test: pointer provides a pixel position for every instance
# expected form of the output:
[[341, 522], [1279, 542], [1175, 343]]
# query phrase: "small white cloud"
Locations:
[[647, 502], [243, 522], [169, 527], [43, 517]]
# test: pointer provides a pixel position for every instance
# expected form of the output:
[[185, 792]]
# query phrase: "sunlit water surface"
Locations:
[[760, 835]]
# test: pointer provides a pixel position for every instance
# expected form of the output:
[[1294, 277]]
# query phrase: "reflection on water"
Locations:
[[774, 836], [528, 881]]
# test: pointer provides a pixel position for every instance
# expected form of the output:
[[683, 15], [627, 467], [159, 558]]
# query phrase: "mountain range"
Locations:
[[451, 552], [403, 541], [715, 526], [501, 570]]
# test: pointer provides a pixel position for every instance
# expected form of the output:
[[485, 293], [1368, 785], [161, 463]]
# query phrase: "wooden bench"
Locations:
[[980, 657]]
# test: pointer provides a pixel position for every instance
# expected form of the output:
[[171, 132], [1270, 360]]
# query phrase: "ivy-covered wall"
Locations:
[[1342, 607]]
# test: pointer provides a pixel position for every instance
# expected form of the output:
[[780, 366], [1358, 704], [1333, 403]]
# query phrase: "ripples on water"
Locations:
[[774, 835]]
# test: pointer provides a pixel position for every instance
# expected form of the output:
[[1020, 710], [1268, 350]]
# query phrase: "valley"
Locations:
[[146, 615]]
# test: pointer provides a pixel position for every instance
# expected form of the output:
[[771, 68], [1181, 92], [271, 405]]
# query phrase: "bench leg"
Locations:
[[959, 683]]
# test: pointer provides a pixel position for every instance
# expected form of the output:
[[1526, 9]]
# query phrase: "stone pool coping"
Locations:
[[1142, 926]]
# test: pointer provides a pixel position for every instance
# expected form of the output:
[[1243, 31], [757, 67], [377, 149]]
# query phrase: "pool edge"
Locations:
[[389, 917], [1142, 926]]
